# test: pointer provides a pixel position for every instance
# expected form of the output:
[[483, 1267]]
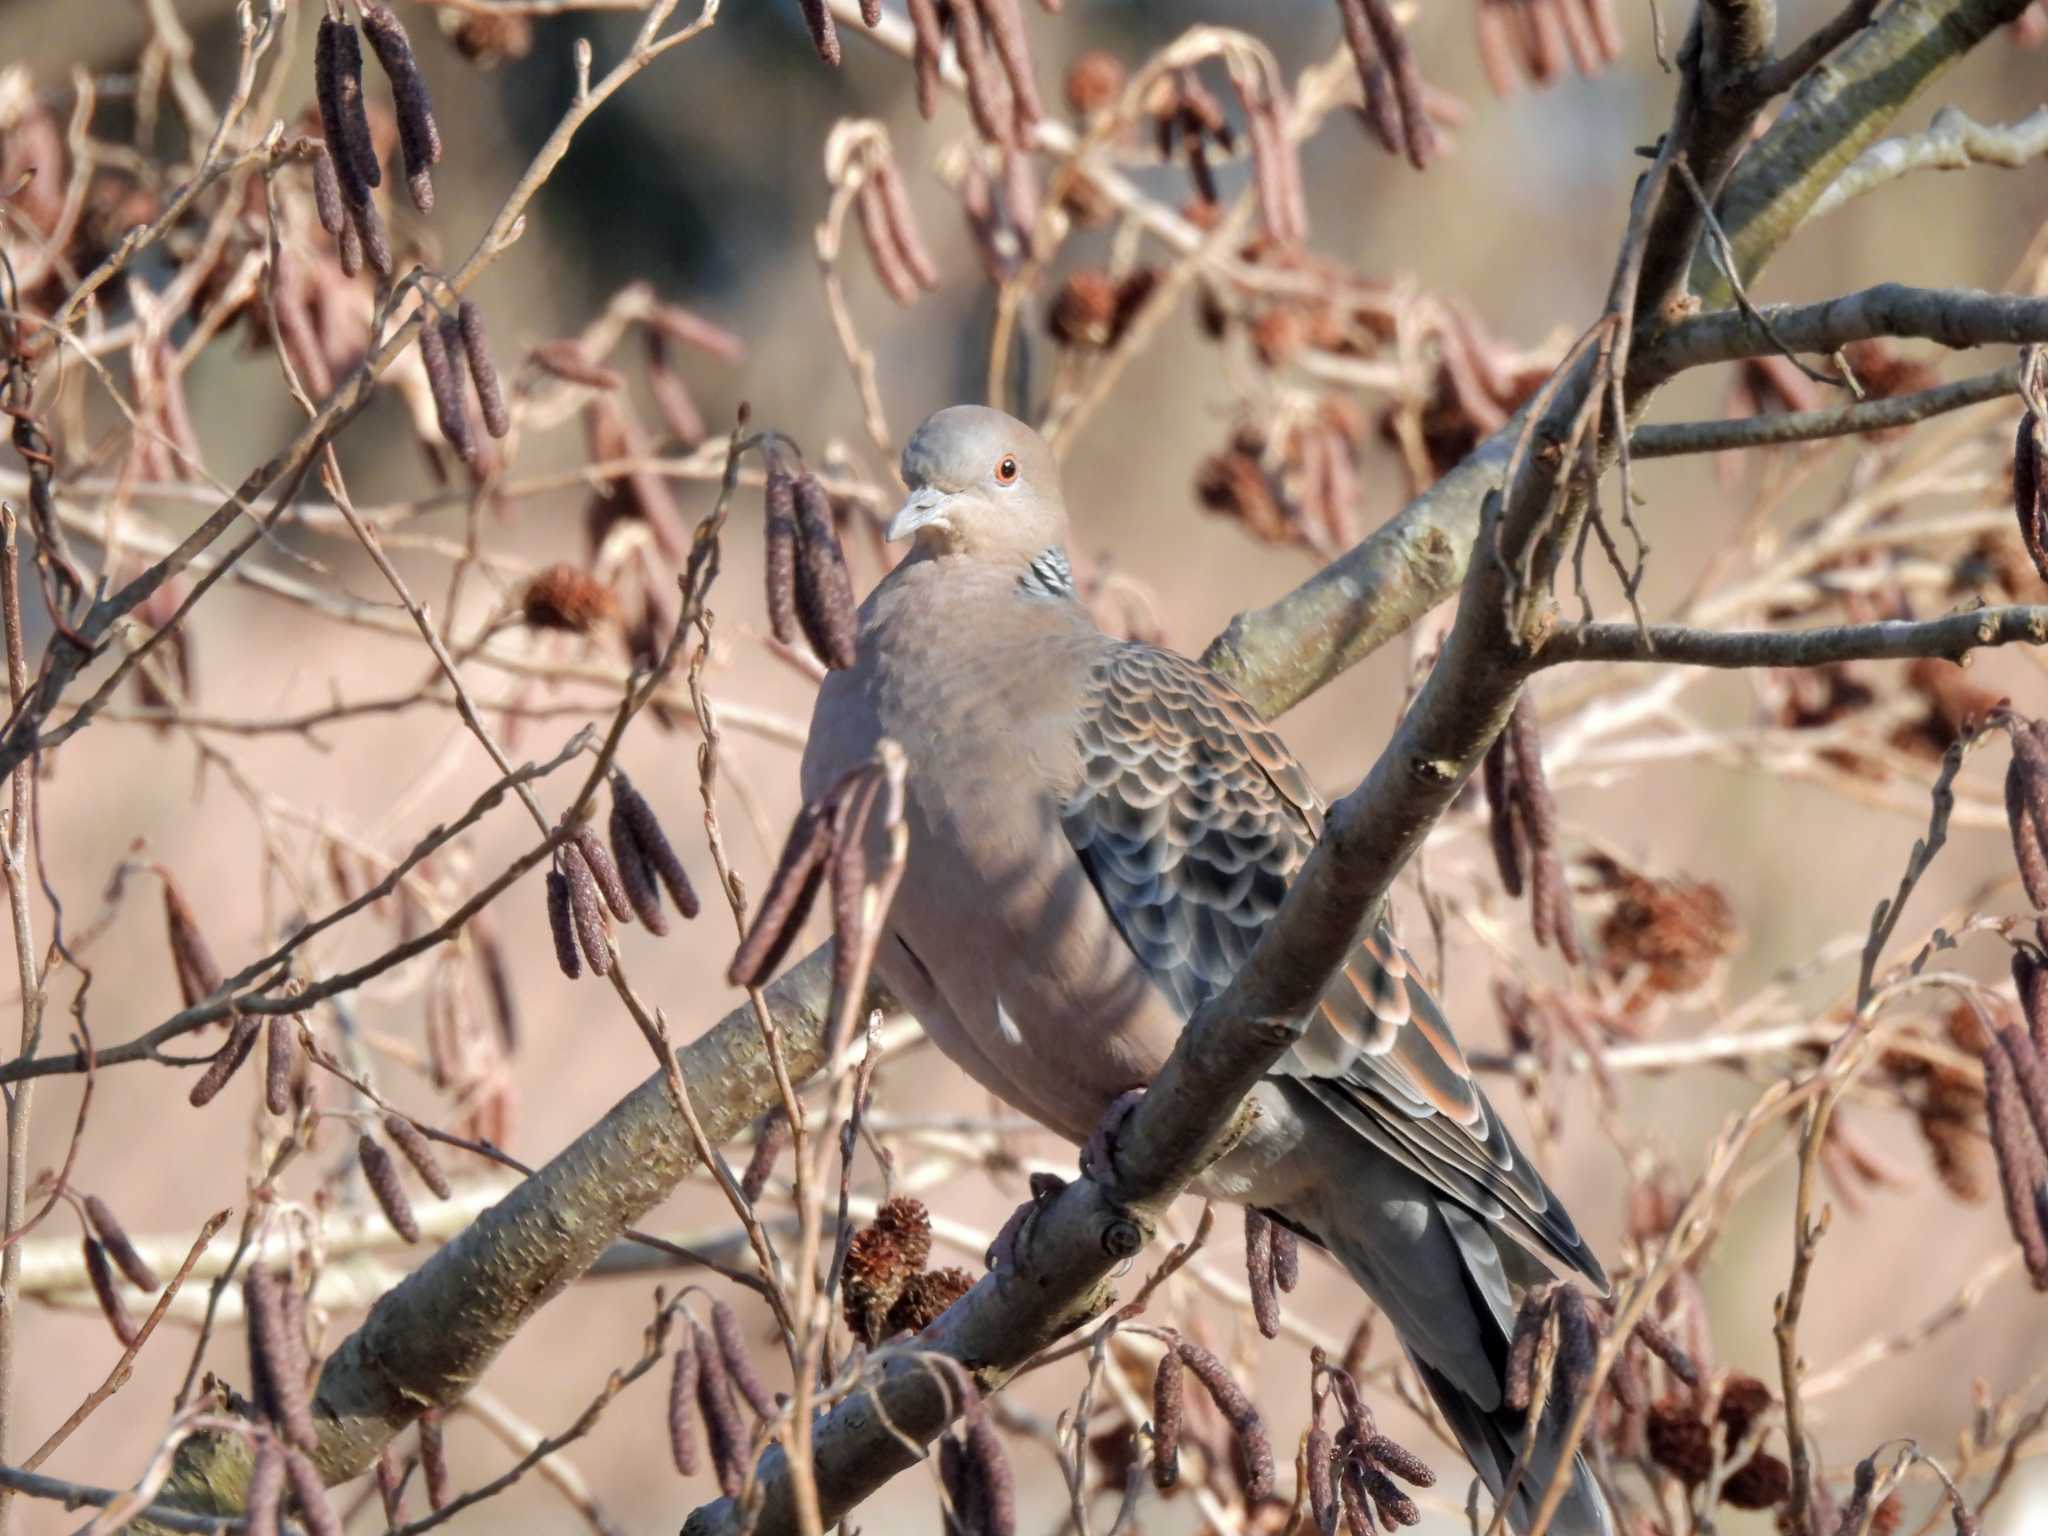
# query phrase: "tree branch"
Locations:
[[1955, 317], [428, 1339], [1279, 654], [1779, 427], [1071, 1246], [1952, 636], [1834, 115], [1954, 141]]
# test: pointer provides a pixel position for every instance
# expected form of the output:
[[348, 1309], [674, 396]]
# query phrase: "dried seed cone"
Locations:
[[1395, 1507], [672, 398], [1762, 1482], [119, 1248], [931, 44], [909, 1224], [824, 590], [241, 1040], [418, 1151], [490, 389], [567, 598], [926, 1296], [382, 1176], [561, 924], [101, 1273], [875, 1274], [1680, 1441]]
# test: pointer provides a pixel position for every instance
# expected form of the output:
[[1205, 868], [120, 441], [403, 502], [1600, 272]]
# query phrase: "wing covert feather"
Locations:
[[1191, 817]]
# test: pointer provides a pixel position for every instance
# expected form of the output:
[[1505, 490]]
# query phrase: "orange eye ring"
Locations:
[[1006, 470]]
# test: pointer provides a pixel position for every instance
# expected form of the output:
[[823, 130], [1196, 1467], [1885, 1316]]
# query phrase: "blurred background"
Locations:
[[705, 178]]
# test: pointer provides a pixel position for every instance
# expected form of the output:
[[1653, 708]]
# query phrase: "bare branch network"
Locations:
[[224, 204]]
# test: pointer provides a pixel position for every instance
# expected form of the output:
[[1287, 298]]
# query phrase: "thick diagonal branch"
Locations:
[[428, 1339], [1279, 654]]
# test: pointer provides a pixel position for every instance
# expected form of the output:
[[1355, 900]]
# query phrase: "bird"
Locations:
[[1098, 832]]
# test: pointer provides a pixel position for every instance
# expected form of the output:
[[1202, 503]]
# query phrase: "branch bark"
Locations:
[[1954, 141], [1950, 637], [1668, 440], [1955, 317], [428, 1339], [1279, 654]]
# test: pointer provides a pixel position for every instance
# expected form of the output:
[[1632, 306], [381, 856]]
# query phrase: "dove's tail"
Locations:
[[1437, 1272]]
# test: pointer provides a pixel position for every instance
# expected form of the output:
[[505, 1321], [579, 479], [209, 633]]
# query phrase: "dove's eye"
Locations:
[[1006, 470]]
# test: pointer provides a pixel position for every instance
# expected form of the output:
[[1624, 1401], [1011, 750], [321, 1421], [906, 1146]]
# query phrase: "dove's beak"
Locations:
[[926, 508]]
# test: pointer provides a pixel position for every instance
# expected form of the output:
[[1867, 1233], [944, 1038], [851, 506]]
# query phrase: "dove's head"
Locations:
[[983, 484]]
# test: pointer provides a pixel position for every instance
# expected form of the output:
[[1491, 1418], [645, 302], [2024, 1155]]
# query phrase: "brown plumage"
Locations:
[[1099, 832]]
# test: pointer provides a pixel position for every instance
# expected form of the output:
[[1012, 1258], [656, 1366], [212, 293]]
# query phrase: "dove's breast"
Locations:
[[998, 940]]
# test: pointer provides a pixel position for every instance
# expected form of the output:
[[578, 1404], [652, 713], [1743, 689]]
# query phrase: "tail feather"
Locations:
[[1437, 1272], [1492, 1439]]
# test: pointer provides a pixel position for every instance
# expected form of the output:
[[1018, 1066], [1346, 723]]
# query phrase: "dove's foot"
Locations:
[[1098, 1158]]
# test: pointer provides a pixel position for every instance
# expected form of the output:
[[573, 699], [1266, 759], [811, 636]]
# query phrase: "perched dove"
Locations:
[[1099, 830]]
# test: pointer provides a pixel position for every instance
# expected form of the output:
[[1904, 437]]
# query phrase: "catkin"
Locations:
[[101, 1273], [419, 137], [281, 1057], [241, 1040], [410, 1140], [490, 389], [682, 1406], [381, 1173], [118, 1245], [561, 924]]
